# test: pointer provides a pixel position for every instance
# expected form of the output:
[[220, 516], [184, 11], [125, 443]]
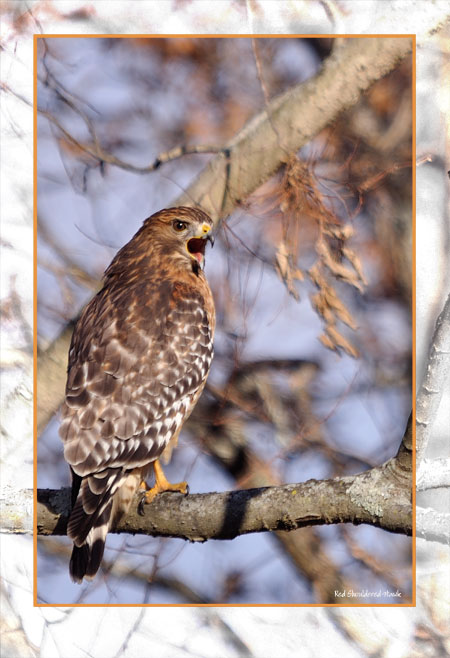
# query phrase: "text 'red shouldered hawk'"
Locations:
[[138, 361]]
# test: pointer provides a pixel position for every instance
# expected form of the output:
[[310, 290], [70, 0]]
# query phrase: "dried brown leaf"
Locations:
[[316, 275], [339, 231], [282, 259], [338, 341], [285, 270], [338, 269], [327, 342], [352, 258], [340, 310], [322, 307]]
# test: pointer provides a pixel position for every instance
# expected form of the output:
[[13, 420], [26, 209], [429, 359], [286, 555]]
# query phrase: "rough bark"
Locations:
[[376, 497]]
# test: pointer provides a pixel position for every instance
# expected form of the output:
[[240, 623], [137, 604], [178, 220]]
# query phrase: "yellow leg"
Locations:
[[162, 484]]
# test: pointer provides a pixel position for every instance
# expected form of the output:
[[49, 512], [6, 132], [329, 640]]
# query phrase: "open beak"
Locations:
[[196, 246]]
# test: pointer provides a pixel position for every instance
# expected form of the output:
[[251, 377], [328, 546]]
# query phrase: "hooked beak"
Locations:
[[196, 245], [206, 233]]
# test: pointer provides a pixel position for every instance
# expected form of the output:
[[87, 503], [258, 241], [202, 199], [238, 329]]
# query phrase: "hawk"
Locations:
[[138, 361]]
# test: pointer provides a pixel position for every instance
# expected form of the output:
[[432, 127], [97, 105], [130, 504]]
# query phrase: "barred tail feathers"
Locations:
[[86, 559], [90, 519], [102, 500]]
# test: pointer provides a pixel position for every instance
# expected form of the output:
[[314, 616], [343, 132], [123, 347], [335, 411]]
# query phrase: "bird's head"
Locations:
[[184, 233], [175, 235]]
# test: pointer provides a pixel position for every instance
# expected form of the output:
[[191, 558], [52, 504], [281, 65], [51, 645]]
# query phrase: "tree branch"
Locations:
[[98, 153], [432, 525], [51, 376], [373, 497], [434, 382], [433, 474], [290, 121]]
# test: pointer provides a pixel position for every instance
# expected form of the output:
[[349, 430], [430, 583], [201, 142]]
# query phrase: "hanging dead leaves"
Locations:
[[287, 270], [300, 195]]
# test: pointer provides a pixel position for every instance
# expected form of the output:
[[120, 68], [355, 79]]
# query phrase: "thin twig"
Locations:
[[97, 152]]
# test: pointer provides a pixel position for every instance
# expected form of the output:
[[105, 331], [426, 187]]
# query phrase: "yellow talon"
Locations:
[[162, 484]]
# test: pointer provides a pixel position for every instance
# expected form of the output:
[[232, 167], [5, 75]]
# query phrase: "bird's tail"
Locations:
[[90, 520], [86, 559]]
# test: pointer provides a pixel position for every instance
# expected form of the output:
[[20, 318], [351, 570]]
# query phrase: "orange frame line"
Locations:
[[35, 438], [413, 316], [413, 313], [224, 36]]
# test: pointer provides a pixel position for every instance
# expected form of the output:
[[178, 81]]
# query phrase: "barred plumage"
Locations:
[[138, 360]]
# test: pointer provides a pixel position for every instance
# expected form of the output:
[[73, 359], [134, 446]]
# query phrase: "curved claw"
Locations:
[[141, 504], [161, 486]]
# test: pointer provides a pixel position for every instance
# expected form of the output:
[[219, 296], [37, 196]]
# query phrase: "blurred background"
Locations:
[[312, 371]]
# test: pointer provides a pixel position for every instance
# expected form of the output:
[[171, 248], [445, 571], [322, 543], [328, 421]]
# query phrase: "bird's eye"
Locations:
[[179, 226]]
